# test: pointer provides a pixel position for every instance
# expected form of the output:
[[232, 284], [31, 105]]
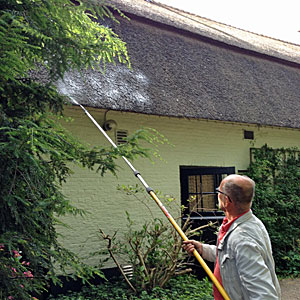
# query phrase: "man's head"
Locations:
[[239, 189]]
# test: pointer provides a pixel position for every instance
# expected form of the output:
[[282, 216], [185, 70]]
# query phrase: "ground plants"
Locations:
[[277, 202], [182, 287]]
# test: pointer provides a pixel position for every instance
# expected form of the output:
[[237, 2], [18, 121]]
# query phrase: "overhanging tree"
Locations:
[[57, 35]]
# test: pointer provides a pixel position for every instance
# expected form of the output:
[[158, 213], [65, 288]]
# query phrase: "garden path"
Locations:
[[290, 288]]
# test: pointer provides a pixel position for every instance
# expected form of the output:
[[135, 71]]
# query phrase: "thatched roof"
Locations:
[[188, 66], [230, 35]]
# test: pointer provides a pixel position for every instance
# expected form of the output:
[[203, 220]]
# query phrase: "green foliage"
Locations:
[[277, 203], [154, 252], [57, 35], [146, 134], [153, 249], [34, 156], [35, 152], [183, 287]]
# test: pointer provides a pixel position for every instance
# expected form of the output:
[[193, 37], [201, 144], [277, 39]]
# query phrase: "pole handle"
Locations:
[[195, 252]]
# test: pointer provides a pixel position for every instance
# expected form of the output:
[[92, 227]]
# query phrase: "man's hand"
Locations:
[[190, 245]]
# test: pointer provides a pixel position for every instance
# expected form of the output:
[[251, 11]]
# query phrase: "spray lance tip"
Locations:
[[73, 100], [77, 103]]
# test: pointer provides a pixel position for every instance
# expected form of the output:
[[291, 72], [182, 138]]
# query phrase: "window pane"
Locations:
[[207, 183], [209, 202], [194, 187], [192, 184], [198, 185]]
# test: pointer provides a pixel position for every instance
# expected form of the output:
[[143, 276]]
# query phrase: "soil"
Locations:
[[290, 288]]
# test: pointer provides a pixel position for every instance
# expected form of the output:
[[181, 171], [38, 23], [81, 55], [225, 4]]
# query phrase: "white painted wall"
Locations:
[[196, 143]]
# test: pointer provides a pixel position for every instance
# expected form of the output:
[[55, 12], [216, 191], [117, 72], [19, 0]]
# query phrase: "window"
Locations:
[[198, 186], [199, 198]]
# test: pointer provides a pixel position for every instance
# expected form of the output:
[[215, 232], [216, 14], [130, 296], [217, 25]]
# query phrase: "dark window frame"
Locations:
[[186, 171]]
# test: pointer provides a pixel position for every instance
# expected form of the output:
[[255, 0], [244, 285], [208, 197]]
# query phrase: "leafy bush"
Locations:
[[183, 287], [153, 249], [277, 203]]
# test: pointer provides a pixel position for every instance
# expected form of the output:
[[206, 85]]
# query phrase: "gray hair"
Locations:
[[240, 188]]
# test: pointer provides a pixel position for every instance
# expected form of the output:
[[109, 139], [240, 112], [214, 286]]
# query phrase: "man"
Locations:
[[244, 265]]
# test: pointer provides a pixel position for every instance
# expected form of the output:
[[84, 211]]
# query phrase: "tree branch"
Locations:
[[108, 238]]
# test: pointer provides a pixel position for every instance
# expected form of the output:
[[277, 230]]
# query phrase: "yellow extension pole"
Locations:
[[161, 206], [195, 252]]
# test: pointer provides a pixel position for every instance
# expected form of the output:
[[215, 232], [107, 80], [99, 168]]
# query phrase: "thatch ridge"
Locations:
[[180, 19]]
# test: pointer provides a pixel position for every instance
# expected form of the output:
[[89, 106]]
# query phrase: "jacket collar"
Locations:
[[234, 225]]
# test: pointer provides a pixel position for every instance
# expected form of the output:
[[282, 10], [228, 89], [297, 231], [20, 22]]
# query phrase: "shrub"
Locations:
[[153, 249]]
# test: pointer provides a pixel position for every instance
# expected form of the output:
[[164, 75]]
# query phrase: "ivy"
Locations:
[[277, 202]]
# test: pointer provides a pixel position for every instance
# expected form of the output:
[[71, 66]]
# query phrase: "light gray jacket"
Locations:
[[246, 262]]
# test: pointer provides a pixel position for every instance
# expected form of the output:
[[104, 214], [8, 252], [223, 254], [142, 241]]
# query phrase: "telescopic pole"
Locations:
[[161, 206]]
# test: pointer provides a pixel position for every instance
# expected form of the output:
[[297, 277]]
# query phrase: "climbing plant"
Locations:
[[277, 202]]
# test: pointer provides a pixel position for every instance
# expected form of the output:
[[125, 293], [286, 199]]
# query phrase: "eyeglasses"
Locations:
[[218, 191]]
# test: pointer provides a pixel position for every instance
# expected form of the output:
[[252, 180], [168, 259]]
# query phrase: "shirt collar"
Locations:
[[226, 224]]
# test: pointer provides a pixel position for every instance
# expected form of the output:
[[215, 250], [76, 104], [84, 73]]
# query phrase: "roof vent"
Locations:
[[121, 136]]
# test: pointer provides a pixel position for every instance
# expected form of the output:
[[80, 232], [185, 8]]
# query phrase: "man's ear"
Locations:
[[228, 202]]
